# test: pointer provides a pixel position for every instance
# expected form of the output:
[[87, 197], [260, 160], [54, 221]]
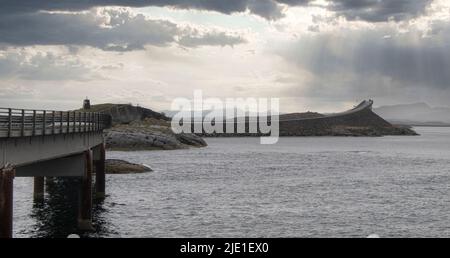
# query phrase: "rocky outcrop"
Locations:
[[150, 134], [126, 113], [116, 166], [138, 128]]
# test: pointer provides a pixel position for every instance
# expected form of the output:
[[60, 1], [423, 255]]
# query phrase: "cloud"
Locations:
[[265, 8], [109, 29], [43, 66], [369, 10], [196, 38], [356, 63], [379, 10], [93, 23]]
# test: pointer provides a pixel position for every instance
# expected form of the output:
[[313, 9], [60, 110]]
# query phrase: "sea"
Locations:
[[393, 186]]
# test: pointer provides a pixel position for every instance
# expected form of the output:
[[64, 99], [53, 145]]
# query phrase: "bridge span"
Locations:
[[44, 144]]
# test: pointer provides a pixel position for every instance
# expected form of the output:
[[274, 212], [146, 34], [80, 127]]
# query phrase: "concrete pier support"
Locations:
[[6, 201], [38, 189], [49, 180], [85, 209], [100, 174]]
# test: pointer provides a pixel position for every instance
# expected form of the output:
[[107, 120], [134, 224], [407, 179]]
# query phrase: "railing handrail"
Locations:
[[47, 110], [33, 122]]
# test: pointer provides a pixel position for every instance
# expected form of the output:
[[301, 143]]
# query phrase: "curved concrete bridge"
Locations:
[[41, 143], [360, 116]]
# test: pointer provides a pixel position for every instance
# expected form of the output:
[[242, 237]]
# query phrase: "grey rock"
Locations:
[[116, 166], [148, 140]]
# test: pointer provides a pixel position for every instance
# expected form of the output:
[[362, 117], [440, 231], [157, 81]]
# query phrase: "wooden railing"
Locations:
[[24, 123]]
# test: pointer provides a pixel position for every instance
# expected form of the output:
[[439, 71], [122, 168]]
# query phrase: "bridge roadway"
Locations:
[[359, 116], [42, 143]]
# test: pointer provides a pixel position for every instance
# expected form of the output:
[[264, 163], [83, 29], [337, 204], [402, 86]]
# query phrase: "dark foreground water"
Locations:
[[301, 187]]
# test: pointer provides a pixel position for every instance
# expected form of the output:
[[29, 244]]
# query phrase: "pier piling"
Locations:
[[38, 189], [100, 174], [6, 201], [85, 209]]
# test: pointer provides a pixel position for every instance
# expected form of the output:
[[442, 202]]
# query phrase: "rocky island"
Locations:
[[138, 128]]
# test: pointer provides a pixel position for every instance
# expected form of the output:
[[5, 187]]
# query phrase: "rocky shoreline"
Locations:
[[373, 131], [149, 134], [342, 131]]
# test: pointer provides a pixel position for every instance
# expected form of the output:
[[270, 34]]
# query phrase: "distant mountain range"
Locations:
[[418, 114]]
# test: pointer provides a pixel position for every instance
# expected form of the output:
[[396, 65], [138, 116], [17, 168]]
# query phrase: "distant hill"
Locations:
[[415, 114]]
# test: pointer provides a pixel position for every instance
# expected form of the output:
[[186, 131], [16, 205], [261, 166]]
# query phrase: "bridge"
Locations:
[[43, 143], [359, 116]]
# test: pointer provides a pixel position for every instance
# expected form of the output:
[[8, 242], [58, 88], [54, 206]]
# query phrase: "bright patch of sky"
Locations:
[[207, 18]]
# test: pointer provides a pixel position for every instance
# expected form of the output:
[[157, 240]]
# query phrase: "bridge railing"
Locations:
[[24, 122]]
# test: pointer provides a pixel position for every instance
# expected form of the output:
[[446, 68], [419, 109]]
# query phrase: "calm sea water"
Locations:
[[300, 187]]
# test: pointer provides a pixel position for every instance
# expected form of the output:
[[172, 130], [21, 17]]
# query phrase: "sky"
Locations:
[[318, 55]]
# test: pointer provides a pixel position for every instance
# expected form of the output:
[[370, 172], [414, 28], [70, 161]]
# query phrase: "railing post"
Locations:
[[79, 122], [34, 123], [9, 121], [53, 122], [44, 122], [68, 122], [84, 122], [74, 122], [22, 128], [61, 122], [88, 121]]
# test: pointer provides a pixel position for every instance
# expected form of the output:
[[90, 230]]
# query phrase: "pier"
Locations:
[[43, 144]]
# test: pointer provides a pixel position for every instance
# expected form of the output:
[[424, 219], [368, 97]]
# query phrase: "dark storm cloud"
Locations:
[[25, 23], [265, 8], [114, 30], [379, 10], [370, 10]]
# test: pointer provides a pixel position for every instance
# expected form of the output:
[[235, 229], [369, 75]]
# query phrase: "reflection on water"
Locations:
[[56, 215]]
